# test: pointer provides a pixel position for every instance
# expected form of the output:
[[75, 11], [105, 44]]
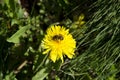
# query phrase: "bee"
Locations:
[[57, 37]]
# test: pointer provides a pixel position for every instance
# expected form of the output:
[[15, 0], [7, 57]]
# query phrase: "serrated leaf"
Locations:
[[15, 37]]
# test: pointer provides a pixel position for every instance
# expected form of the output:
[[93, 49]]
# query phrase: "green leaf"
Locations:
[[40, 74], [15, 38], [20, 13], [10, 76]]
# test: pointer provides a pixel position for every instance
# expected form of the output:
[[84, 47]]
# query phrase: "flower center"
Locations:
[[57, 37]]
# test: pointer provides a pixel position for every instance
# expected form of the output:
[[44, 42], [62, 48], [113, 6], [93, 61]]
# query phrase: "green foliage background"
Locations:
[[98, 40]]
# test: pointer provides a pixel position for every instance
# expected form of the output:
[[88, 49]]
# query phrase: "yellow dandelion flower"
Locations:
[[58, 42]]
